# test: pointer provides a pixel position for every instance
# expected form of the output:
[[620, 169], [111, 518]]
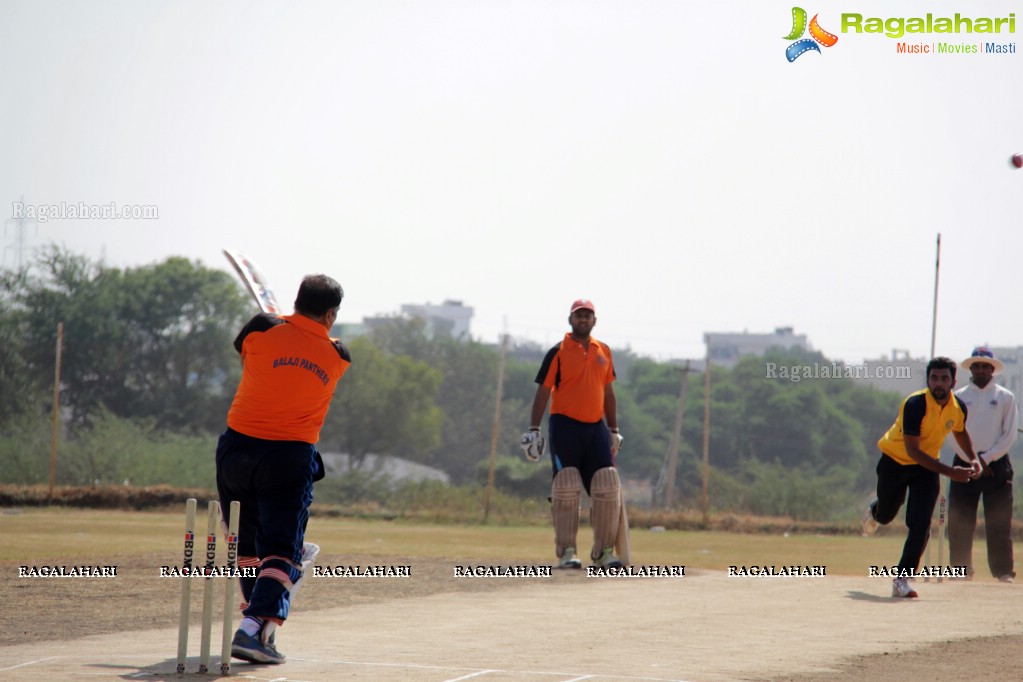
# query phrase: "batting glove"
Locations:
[[616, 442], [533, 445]]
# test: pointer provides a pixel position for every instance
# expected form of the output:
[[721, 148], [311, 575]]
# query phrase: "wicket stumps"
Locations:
[[209, 569], [186, 584], [232, 566]]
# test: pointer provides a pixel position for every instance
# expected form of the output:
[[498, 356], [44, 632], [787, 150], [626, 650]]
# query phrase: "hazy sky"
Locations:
[[661, 158]]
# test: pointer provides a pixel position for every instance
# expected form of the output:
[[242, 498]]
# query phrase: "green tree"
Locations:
[[468, 371], [25, 447], [383, 404], [647, 402], [115, 450], [23, 388], [147, 342]]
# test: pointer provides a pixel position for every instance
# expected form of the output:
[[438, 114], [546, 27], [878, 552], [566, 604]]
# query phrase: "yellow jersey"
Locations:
[[921, 415]]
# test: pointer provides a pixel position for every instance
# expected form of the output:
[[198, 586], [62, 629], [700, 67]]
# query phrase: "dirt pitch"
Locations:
[[433, 627]]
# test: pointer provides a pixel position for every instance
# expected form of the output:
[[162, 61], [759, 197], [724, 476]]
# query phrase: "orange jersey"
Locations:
[[577, 378], [290, 367]]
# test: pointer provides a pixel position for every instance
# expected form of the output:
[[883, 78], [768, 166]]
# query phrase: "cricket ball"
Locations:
[[1017, 160]]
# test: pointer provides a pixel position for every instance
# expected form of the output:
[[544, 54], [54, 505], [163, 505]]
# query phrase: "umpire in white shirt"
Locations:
[[991, 421]]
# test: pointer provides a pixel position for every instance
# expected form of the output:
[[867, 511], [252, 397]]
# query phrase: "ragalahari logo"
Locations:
[[817, 35]]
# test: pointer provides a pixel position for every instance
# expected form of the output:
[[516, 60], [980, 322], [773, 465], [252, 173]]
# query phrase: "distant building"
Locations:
[[348, 330], [904, 375], [369, 324], [450, 318], [726, 348], [901, 374]]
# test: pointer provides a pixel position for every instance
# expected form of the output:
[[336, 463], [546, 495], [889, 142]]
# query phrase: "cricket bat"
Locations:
[[622, 545], [255, 281]]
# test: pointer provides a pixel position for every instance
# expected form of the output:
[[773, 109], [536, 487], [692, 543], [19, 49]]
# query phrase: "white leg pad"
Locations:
[[566, 491], [309, 552], [605, 493]]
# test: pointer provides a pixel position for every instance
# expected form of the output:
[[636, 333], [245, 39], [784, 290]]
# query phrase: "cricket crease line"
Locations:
[[470, 675], [477, 672], [38, 660]]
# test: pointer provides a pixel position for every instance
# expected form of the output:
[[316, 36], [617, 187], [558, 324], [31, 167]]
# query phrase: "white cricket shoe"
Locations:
[[870, 524], [901, 588], [569, 559], [607, 559]]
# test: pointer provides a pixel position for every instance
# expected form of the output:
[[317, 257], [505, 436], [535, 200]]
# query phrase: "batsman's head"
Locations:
[[582, 317], [318, 295], [582, 304]]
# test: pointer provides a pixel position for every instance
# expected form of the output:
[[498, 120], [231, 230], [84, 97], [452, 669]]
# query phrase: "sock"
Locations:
[[250, 625]]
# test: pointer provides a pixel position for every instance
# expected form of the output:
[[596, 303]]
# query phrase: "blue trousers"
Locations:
[[273, 480], [587, 447]]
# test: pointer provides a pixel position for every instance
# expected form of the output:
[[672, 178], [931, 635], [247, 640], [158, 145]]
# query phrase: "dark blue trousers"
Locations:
[[963, 499], [273, 480], [587, 447]]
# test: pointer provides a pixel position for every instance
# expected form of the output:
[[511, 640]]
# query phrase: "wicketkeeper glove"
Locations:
[[616, 442], [533, 445]]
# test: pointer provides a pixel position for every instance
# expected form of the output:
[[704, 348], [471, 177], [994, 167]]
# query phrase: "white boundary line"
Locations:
[[26, 663]]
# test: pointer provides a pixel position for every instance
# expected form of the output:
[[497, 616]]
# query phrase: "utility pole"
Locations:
[[706, 436], [676, 437], [20, 225], [55, 426]]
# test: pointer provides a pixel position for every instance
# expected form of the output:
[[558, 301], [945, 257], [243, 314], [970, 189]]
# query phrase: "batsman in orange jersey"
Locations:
[[576, 376], [267, 457]]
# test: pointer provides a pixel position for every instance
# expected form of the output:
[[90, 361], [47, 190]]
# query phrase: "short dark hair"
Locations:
[[942, 363], [317, 295]]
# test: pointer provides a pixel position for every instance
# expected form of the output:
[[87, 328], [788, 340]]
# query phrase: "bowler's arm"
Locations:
[[966, 445], [959, 474]]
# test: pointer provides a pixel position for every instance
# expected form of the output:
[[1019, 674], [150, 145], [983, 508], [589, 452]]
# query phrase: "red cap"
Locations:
[[583, 304]]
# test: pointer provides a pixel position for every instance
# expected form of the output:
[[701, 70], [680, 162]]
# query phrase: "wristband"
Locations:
[[534, 428], [614, 430]]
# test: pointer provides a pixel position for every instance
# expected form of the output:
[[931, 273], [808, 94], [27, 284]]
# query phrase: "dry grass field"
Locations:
[[434, 627]]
